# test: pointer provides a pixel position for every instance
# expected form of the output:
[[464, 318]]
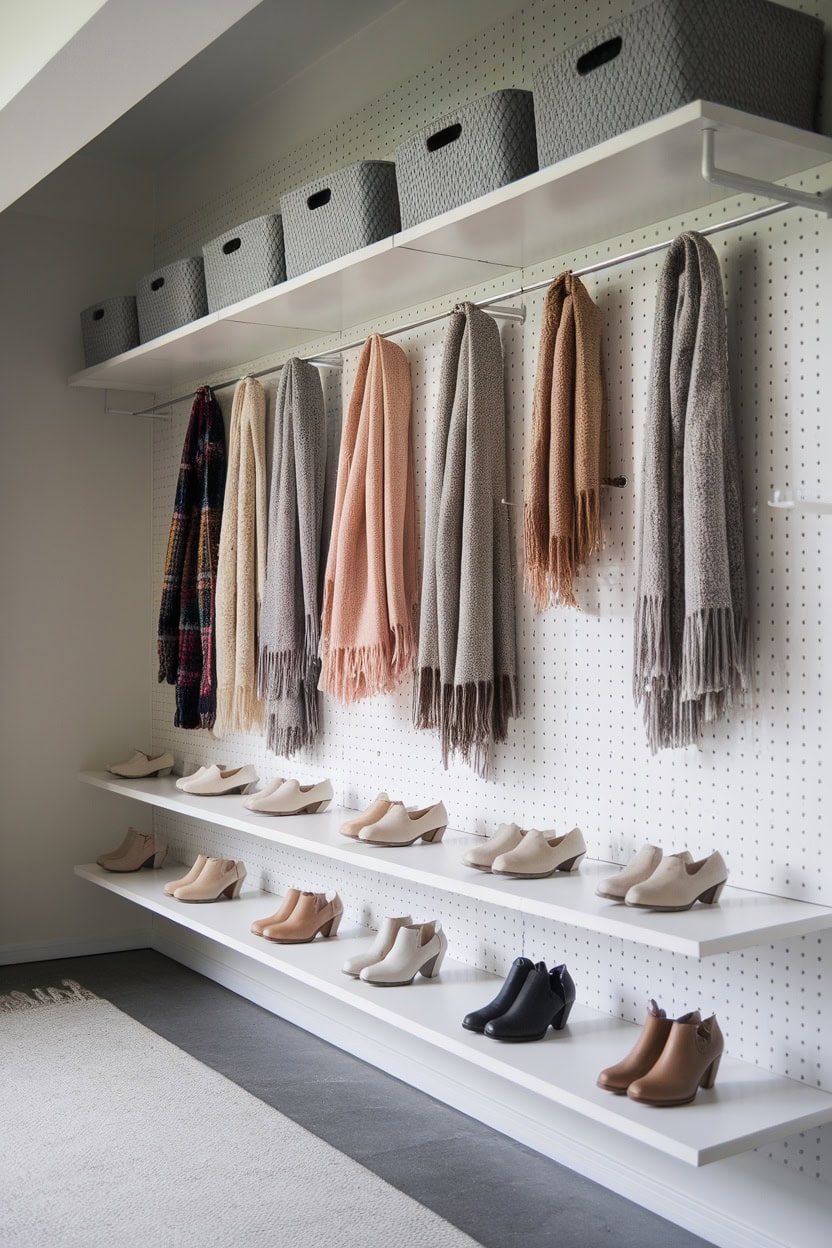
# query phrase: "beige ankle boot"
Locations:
[[220, 877], [314, 912], [140, 852], [193, 874]]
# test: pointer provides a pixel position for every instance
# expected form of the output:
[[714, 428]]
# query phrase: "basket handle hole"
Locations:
[[157, 283], [319, 198], [233, 244], [98, 314], [443, 137], [602, 55]]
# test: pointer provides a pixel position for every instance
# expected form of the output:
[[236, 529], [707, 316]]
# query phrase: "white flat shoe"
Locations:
[[379, 949], [678, 885], [140, 765], [542, 853], [193, 874], [266, 791], [212, 782], [401, 826], [638, 869], [507, 837], [419, 949], [292, 798]]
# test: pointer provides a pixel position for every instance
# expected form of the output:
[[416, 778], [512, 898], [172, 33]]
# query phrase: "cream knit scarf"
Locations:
[[242, 563], [562, 520], [371, 586]]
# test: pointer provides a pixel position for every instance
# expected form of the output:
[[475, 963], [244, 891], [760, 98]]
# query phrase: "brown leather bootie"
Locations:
[[645, 1052], [689, 1061], [314, 912]]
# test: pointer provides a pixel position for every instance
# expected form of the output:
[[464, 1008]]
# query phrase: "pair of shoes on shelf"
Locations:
[[532, 999], [289, 797], [401, 950], [655, 881], [670, 1061], [531, 855], [209, 879], [137, 850], [389, 824], [215, 781], [300, 917], [140, 765]]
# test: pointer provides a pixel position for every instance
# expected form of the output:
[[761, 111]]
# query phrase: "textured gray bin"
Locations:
[[340, 213], [108, 328], [244, 261], [747, 54], [466, 154], [170, 297]]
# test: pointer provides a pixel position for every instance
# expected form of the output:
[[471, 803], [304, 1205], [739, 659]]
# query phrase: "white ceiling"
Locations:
[[263, 51]]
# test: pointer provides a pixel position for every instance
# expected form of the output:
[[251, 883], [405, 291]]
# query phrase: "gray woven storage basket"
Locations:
[[108, 328], [340, 213], [171, 296], [747, 54], [466, 154], [244, 261]]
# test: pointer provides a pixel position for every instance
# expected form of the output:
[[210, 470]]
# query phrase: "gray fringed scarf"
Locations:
[[290, 618], [466, 682], [691, 624]]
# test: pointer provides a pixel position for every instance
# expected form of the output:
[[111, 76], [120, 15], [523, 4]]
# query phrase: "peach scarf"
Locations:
[[371, 586]]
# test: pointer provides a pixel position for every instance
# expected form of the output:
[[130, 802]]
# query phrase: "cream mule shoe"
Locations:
[[280, 915], [507, 837], [371, 815], [638, 869], [142, 851], [419, 949], [129, 837], [379, 949], [401, 826], [140, 765], [678, 885], [192, 875], [542, 853], [294, 799], [266, 791], [220, 877], [213, 782]]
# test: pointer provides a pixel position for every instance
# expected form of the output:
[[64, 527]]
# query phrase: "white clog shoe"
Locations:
[[678, 885], [140, 765], [292, 798], [400, 826], [540, 854], [637, 870], [266, 791], [507, 837], [213, 782]]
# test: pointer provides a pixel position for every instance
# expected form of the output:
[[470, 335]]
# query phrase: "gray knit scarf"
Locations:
[[290, 617], [691, 623], [466, 680]]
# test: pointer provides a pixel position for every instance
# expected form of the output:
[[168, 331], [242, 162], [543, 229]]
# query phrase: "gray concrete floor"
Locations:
[[500, 1193]]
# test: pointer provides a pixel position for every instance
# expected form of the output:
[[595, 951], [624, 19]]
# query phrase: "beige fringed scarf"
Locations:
[[371, 588], [242, 563], [562, 525]]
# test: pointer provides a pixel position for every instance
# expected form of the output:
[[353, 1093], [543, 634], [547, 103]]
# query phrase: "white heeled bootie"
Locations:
[[507, 837], [293, 799], [379, 949], [542, 853], [214, 782], [419, 949], [401, 826], [140, 765]]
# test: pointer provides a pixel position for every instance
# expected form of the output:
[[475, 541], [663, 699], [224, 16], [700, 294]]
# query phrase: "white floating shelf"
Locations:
[[742, 920], [654, 168], [748, 1106]]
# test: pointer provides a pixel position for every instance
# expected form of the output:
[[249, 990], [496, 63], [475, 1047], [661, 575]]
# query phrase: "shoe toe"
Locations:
[[473, 1022], [638, 1090]]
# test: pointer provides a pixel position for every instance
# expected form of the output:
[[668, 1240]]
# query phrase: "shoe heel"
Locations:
[[331, 928], [432, 968], [233, 891], [165, 771], [321, 806], [572, 864], [562, 1017], [712, 896], [158, 858], [709, 1078], [434, 836]]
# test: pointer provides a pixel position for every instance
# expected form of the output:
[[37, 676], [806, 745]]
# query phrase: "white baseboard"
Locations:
[[74, 947], [742, 1202]]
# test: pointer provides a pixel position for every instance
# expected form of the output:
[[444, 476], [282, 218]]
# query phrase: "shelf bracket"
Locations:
[[817, 201]]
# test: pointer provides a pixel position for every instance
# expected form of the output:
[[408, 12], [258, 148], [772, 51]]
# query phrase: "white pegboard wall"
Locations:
[[757, 788]]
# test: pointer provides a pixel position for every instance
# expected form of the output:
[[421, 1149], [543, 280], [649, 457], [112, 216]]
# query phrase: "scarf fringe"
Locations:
[[470, 717], [239, 709], [550, 569], [69, 992], [352, 673]]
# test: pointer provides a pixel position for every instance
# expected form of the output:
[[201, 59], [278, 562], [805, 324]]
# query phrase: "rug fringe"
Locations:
[[69, 992]]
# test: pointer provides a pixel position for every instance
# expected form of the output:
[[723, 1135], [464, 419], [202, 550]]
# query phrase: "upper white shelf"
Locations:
[[742, 920], [748, 1107], [645, 175]]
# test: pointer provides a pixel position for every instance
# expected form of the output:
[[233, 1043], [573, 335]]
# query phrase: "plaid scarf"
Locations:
[[186, 618]]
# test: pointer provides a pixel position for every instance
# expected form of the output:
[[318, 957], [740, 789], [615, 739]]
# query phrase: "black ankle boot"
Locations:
[[545, 998], [507, 995]]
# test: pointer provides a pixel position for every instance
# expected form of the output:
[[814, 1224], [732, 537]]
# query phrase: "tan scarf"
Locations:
[[562, 525], [242, 563], [371, 587]]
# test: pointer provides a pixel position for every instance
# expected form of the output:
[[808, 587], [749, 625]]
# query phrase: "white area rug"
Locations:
[[111, 1136]]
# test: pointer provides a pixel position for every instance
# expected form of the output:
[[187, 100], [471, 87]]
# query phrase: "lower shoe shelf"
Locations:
[[748, 1106]]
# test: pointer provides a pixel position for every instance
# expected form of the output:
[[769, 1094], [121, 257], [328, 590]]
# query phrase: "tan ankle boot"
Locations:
[[192, 875], [689, 1061], [645, 1052], [314, 913], [140, 851], [220, 877], [280, 915]]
